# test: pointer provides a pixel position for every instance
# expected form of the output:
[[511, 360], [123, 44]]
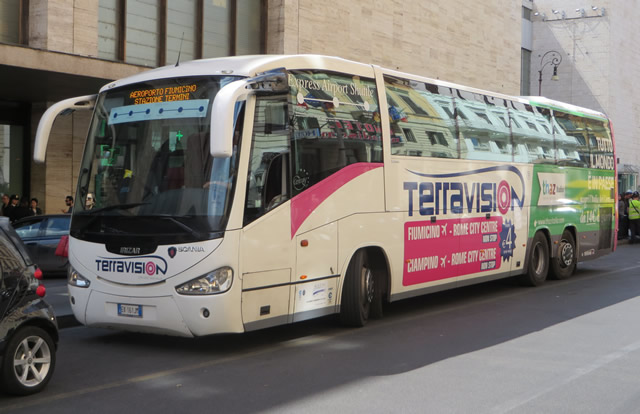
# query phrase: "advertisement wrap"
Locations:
[[468, 226]]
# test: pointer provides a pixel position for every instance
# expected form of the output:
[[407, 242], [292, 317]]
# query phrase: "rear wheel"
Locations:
[[360, 293], [538, 266], [564, 264], [29, 361]]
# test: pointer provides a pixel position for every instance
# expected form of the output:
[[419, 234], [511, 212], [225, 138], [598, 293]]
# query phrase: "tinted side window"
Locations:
[[422, 121], [600, 144], [335, 122], [268, 184], [57, 226], [484, 127], [28, 229], [532, 134], [571, 139]]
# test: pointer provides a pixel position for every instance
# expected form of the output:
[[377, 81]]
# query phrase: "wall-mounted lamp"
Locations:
[[544, 16], [561, 12], [551, 57]]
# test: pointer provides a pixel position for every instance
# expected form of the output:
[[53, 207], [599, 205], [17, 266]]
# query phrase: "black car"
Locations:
[[28, 327], [41, 235]]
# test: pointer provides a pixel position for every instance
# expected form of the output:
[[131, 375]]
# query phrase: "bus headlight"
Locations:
[[76, 279], [217, 281]]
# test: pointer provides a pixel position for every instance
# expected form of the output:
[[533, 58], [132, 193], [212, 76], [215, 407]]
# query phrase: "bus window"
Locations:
[[268, 180], [335, 120], [422, 118], [531, 131], [571, 135], [601, 146], [484, 127]]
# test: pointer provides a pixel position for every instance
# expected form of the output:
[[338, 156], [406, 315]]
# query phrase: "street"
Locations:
[[569, 346]]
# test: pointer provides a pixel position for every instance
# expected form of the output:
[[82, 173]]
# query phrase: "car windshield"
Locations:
[[147, 169]]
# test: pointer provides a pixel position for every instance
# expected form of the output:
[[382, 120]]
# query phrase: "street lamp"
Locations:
[[554, 58]]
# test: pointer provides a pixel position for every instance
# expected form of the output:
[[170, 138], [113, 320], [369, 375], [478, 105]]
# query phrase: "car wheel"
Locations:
[[29, 361]]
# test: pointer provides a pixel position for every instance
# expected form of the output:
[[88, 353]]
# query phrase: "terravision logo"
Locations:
[[149, 265]]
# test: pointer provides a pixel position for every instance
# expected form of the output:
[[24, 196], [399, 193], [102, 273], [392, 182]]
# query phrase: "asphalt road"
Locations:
[[567, 347]]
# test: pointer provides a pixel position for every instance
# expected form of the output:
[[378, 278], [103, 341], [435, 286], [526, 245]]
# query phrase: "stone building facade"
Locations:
[[64, 48]]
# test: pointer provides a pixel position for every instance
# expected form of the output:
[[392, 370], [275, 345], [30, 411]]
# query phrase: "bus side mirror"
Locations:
[[46, 122], [223, 110]]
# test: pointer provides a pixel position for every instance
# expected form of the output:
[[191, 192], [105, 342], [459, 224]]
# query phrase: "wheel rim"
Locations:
[[31, 361], [368, 285], [566, 254]]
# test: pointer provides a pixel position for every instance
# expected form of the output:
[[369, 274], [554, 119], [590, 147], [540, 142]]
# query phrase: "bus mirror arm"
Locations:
[[46, 122], [223, 108], [222, 112]]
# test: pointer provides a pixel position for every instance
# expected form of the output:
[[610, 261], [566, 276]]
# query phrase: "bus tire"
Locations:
[[359, 291], [29, 361], [564, 264], [538, 266]]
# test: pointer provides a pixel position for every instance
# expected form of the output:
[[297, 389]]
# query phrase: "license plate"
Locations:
[[129, 310]]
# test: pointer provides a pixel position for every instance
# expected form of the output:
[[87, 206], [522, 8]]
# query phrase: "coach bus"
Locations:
[[239, 193]]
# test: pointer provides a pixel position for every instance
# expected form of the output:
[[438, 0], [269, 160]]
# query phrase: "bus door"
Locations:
[[266, 253]]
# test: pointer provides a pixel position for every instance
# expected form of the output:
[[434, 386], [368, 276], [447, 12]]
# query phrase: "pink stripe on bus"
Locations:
[[306, 202]]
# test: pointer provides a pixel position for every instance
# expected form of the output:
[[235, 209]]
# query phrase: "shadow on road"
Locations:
[[280, 365]]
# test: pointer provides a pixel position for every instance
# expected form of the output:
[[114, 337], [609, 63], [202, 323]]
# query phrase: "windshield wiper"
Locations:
[[183, 226]]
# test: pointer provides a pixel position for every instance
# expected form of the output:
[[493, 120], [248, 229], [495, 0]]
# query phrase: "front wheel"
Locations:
[[538, 266], [360, 293], [564, 264], [29, 361]]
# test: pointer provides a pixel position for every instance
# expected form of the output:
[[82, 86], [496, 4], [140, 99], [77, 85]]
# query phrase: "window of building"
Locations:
[[525, 72], [182, 24], [108, 20], [248, 28], [155, 32], [216, 35], [11, 159], [408, 133], [10, 21], [142, 32]]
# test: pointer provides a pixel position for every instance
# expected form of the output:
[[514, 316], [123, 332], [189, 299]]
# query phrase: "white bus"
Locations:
[[239, 193]]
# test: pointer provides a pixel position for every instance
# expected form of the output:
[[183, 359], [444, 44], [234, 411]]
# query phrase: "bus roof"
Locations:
[[251, 65]]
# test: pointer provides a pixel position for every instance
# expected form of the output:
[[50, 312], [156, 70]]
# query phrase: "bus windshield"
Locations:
[[147, 171]]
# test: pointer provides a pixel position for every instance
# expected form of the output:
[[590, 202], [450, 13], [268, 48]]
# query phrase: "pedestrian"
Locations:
[[7, 210], [20, 211], [69, 202], [35, 210], [623, 231], [626, 198], [5, 205], [634, 217]]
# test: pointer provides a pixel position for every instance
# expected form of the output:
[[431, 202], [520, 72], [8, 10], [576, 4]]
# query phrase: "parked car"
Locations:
[[28, 326], [41, 235]]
